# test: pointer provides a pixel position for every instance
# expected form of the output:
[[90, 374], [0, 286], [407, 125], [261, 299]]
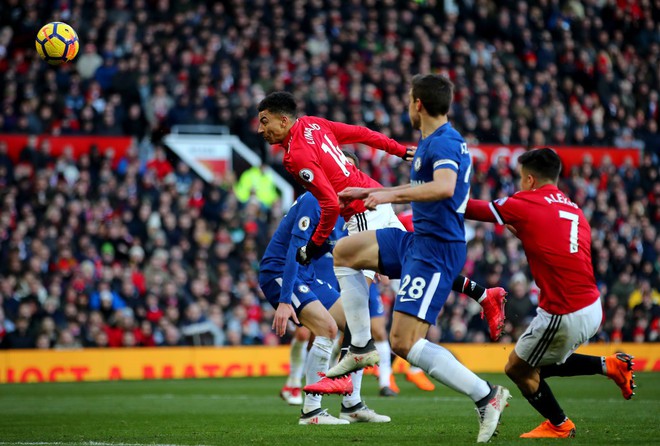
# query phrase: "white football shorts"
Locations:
[[552, 338], [382, 217]]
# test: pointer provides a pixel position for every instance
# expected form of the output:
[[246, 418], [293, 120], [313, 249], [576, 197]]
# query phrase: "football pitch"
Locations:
[[249, 411]]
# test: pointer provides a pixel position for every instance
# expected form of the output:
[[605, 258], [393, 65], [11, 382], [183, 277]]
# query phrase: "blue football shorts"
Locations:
[[426, 266], [304, 292]]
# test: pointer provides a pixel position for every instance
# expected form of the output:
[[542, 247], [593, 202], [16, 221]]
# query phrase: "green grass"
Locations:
[[249, 411]]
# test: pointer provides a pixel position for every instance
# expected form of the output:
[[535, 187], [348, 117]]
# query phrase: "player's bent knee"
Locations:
[[328, 329], [342, 253]]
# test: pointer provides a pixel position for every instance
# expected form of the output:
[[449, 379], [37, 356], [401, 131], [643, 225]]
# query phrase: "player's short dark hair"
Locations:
[[435, 91], [544, 163], [280, 103], [353, 156]]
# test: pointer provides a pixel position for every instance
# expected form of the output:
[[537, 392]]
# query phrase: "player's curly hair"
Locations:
[[544, 162], [280, 103]]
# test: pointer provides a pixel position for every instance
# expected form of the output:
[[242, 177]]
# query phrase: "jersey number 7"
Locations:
[[573, 237]]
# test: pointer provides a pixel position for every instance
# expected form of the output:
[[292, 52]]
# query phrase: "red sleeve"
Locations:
[[350, 134], [313, 178], [480, 210], [508, 210]]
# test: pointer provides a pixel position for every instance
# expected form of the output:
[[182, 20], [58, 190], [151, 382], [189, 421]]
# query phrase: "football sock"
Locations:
[[336, 349], [355, 299], [345, 343], [385, 366], [545, 403], [438, 362], [575, 365], [354, 398], [298, 354], [469, 287], [317, 361], [414, 369]]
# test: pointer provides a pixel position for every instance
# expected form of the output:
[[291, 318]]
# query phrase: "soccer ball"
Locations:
[[57, 43]]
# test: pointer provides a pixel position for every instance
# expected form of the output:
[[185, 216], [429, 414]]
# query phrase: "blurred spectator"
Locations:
[[256, 182], [519, 307]]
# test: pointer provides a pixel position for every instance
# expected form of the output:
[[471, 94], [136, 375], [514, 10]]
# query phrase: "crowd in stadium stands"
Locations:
[[102, 252]]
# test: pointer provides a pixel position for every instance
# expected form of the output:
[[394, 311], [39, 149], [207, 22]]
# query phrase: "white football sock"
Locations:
[[385, 364], [355, 299], [298, 354], [354, 398], [414, 369], [336, 349], [438, 362], [317, 361]]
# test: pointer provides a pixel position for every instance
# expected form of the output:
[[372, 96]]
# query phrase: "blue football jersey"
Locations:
[[324, 265], [443, 149], [294, 231]]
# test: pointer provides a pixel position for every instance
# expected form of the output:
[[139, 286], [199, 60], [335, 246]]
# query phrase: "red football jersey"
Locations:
[[557, 241], [314, 158], [406, 219]]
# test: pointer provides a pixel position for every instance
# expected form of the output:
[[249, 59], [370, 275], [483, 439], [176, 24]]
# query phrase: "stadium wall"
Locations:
[[27, 366]]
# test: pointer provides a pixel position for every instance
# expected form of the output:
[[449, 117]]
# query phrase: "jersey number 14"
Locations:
[[336, 154]]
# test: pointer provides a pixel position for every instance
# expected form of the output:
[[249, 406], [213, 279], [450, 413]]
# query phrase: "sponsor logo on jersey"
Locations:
[[303, 289], [418, 164], [306, 175], [303, 223]]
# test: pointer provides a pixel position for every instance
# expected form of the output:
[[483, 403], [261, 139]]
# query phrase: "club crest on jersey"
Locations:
[[303, 223], [303, 289], [306, 175], [418, 164]]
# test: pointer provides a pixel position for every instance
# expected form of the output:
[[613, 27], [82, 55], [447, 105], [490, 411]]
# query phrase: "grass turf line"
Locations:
[[249, 411]]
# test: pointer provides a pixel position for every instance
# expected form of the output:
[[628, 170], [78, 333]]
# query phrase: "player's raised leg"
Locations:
[[351, 255], [619, 367], [492, 302]]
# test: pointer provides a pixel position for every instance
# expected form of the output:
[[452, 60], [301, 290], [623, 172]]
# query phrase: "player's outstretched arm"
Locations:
[[354, 193], [480, 210], [285, 310], [442, 186], [352, 134]]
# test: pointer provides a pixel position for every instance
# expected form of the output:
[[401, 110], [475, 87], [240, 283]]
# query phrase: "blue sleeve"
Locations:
[[445, 153], [291, 267], [308, 213], [307, 218]]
